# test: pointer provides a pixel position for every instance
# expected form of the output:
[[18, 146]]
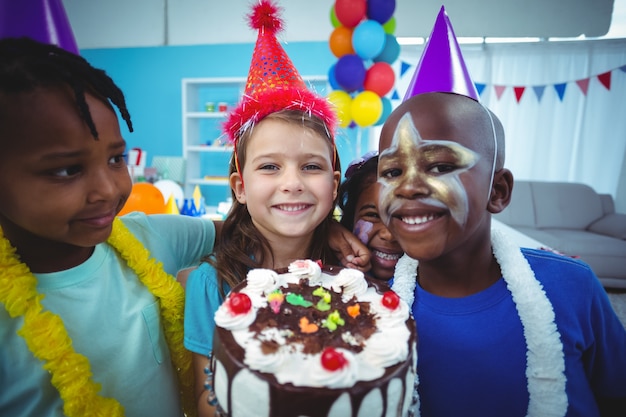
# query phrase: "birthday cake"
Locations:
[[311, 341]]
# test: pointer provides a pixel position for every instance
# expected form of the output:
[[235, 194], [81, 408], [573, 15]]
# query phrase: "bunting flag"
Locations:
[[518, 90], [560, 88]]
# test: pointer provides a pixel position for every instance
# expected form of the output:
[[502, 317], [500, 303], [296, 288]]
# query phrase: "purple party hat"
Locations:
[[42, 20], [441, 67]]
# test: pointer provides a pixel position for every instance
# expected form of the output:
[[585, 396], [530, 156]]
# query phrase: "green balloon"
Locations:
[[333, 17], [390, 26]]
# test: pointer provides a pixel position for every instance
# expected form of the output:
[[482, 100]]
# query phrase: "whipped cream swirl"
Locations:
[[350, 283], [262, 281], [306, 268], [381, 353]]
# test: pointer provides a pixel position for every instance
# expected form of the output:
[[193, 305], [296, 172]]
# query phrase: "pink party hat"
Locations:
[[42, 20], [441, 67]]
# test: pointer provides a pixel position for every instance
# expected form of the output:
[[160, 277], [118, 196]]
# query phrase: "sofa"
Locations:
[[575, 220]]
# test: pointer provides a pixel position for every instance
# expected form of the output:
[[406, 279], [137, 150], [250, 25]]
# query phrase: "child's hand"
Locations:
[[349, 250]]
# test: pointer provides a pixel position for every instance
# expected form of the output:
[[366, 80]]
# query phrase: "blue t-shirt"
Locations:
[[201, 303], [472, 350], [112, 319]]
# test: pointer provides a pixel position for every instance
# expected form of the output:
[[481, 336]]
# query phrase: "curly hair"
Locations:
[[362, 176], [27, 65], [239, 240]]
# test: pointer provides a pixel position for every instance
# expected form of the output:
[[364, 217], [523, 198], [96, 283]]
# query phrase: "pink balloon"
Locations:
[[379, 78], [350, 12]]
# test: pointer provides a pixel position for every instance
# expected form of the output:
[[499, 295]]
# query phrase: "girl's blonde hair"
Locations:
[[241, 246]]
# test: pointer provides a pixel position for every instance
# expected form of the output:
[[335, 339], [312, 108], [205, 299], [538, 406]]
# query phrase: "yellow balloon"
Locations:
[[342, 102], [366, 109]]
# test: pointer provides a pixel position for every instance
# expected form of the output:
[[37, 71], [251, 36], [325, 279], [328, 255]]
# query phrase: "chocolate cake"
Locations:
[[313, 342]]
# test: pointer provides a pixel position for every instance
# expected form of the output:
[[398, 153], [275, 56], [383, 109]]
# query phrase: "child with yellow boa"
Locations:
[[91, 317]]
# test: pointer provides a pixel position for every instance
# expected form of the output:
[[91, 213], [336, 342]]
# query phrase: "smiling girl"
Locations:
[[284, 175]]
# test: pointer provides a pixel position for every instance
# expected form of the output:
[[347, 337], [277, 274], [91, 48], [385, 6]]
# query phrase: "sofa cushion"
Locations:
[[611, 225], [565, 205], [521, 211], [604, 254]]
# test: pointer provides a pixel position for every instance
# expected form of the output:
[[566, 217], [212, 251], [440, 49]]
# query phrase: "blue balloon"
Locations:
[[387, 107], [390, 52], [368, 39], [332, 80], [350, 72], [380, 10]]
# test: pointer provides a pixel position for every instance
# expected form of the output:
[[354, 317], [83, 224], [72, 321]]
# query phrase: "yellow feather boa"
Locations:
[[47, 338]]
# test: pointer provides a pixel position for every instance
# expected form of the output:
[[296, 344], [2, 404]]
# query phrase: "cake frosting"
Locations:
[[313, 342]]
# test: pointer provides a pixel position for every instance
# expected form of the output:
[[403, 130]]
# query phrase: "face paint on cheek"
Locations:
[[451, 192], [362, 228], [385, 198]]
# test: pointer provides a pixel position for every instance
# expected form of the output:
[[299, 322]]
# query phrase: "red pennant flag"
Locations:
[[499, 90], [605, 80], [584, 85], [519, 92]]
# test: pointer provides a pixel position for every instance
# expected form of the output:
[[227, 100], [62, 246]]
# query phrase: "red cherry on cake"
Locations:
[[333, 360], [391, 300], [240, 303]]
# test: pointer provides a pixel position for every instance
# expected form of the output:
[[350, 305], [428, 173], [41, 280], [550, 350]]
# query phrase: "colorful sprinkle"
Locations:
[[354, 310], [275, 300], [324, 294], [332, 321], [307, 327], [298, 300]]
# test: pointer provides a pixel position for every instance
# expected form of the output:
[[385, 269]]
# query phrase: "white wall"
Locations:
[[129, 23]]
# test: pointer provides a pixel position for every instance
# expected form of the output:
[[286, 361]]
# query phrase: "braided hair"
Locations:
[[26, 65]]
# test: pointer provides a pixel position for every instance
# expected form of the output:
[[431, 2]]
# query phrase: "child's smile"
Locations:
[[428, 169], [288, 180]]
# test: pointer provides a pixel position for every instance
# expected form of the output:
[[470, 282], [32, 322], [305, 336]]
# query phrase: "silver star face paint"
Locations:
[[423, 169]]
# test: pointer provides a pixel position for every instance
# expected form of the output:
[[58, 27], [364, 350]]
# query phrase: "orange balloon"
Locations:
[[144, 197], [340, 41]]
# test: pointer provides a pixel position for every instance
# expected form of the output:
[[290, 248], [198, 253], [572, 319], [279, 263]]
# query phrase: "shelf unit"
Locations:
[[206, 157]]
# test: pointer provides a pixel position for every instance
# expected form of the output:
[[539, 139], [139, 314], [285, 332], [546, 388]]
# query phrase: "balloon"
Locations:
[[333, 17], [368, 39], [379, 78], [390, 52], [350, 72], [332, 80], [387, 107], [380, 10], [341, 41], [390, 26], [366, 108], [342, 103], [350, 12], [144, 197]]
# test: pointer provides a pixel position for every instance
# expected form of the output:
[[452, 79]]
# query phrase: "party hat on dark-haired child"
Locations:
[[273, 82], [442, 67]]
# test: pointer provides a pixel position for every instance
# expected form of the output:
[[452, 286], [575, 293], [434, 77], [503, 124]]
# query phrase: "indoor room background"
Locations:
[[560, 100]]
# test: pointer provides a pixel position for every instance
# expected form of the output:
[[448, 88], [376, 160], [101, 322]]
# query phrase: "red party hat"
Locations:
[[42, 20], [273, 82], [441, 67]]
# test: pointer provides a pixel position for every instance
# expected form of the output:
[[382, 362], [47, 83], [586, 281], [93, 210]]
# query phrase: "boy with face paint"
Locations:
[[503, 331]]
